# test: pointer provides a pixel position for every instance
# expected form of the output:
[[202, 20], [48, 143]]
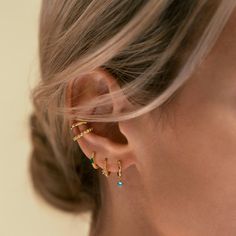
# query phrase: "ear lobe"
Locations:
[[106, 139]]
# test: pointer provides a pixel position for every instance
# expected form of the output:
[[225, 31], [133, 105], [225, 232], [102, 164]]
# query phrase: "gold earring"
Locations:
[[105, 171], [119, 174], [78, 124], [80, 135], [92, 161]]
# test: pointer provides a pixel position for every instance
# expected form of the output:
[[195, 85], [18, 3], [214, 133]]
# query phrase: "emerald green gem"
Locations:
[[91, 161]]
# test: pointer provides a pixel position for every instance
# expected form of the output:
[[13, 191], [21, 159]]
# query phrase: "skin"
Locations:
[[179, 167]]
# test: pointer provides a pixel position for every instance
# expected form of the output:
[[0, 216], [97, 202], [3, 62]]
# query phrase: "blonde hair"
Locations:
[[151, 47]]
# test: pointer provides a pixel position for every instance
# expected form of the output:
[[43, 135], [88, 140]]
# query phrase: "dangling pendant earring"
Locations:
[[119, 174]]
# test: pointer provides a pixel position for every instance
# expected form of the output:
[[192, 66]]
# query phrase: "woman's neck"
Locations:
[[124, 210]]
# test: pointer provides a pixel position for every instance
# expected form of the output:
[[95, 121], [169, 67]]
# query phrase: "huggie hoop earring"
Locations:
[[119, 174], [92, 161], [105, 171], [80, 135]]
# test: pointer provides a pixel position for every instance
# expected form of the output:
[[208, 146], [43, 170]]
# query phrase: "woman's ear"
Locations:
[[106, 139]]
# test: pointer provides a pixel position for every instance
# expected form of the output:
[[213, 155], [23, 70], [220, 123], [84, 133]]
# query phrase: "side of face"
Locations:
[[190, 152]]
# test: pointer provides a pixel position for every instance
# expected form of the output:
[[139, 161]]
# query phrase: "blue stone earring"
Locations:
[[119, 174]]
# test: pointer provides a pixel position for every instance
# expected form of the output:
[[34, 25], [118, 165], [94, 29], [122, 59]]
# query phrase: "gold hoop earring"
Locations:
[[92, 161], [119, 174], [80, 135], [105, 171]]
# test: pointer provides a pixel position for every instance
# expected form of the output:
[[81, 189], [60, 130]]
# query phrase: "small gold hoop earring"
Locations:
[[119, 174], [80, 135], [78, 124], [92, 161], [105, 171]]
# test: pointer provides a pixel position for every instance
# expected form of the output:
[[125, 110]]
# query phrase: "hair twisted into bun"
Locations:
[[72, 186]]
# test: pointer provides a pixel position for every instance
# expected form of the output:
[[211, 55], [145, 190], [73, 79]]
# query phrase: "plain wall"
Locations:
[[22, 213]]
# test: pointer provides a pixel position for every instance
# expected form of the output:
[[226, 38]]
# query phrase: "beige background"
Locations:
[[21, 212]]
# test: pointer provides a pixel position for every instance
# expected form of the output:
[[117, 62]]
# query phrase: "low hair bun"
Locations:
[[74, 189]]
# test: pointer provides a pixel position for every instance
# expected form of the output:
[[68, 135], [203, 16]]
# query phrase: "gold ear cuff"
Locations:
[[81, 134], [78, 124]]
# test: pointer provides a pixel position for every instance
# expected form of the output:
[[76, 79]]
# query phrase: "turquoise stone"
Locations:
[[120, 183]]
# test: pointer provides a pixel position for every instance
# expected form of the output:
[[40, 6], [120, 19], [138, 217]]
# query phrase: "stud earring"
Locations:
[[119, 174], [105, 171], [92, 161]]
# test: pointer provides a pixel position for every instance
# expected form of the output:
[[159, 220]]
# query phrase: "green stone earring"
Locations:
[[92, 161]]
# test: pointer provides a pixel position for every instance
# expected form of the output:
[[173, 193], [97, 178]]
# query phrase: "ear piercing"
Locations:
[[92, 161], [105, 171], [81, 134], [119, 174], [78, 124]]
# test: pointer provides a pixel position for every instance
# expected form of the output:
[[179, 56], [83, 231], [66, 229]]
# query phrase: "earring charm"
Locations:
[[92, 161], [119, 174], [105, 171]]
